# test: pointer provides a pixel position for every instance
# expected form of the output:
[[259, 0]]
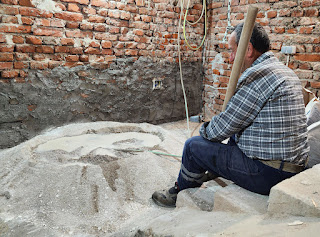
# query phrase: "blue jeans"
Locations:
[[227, 161]]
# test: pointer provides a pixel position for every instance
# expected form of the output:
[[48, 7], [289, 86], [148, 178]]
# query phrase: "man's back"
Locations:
[[279, 130]]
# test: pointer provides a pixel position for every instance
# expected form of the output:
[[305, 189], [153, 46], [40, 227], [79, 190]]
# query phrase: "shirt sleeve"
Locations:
[[241, 110]]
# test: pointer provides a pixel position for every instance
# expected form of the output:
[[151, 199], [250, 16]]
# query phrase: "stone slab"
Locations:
[[299, 195], [233, 198]]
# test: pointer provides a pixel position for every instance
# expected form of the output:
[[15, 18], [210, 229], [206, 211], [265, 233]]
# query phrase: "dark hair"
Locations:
[[259, 39]]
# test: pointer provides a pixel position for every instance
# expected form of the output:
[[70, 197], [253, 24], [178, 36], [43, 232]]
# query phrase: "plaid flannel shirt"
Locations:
[[266, 114]]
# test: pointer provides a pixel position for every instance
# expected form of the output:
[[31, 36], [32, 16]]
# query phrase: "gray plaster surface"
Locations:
[[96, 179], [123, 92]]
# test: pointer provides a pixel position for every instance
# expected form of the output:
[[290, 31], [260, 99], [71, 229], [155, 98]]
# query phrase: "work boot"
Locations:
[[166, 198]]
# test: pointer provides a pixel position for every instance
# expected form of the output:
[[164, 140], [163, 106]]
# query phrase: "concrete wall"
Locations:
[[288, 23], [90, 60]]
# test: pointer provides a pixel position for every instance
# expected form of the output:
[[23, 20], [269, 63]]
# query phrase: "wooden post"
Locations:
[[241, 52]]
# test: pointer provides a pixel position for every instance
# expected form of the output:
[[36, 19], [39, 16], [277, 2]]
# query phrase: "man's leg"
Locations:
[[225, 160]]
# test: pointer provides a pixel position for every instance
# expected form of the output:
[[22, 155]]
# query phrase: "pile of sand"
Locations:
[[84, 179]]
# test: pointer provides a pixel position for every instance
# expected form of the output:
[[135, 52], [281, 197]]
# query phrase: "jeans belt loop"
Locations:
[[283, 166]]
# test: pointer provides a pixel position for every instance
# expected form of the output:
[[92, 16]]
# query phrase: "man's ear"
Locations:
[[250, 51]]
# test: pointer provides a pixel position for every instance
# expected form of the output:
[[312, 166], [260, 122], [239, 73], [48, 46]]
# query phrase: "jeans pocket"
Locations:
[[240, 163]]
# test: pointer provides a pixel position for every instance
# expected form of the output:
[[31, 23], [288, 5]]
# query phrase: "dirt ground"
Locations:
[[96, 179]]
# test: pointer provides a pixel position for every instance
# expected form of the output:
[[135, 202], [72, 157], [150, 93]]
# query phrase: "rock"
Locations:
[[236, 199], [299, 195]]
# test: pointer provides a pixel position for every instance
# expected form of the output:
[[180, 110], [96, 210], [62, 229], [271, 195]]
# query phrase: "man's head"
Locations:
[[259, 44]]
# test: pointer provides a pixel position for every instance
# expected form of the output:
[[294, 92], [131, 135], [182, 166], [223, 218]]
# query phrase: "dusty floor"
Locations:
[[96, 179]]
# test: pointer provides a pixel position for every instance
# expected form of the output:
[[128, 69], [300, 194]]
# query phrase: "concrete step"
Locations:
[[299, 195], [231, 198]]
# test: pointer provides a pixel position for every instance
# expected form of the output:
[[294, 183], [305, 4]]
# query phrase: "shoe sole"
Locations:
[[161, 204]]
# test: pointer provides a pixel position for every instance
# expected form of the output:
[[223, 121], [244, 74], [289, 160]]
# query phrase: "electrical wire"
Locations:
[[204, 9]]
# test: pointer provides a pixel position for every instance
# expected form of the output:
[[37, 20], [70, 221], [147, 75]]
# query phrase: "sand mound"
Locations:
[[84, 179]]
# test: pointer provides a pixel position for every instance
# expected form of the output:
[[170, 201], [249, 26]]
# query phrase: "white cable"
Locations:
[[180, 67], [229, 22]]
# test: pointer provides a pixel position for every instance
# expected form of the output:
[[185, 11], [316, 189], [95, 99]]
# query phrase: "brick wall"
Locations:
[[64, 61], [295, 23], [90, 60]]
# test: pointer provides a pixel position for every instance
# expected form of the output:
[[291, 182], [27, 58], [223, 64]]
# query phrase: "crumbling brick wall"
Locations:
[[288, 23], [65, 61]]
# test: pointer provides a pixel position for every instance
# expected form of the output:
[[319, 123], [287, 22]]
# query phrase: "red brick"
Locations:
[[72, 58], [33, 40], [38, 57], [77, 50], [130, 8], [86, 26], [23, 73], [17, 39], [10, 74], [67, 41], [107, 51], [292, 31], [146, 19], [131, 52], [32, 107], [72, 25], [279, 30], [284, 12], [105, 36], [20, 65], [15, 29], [25, 48], [6, 57], [101, 28], [73, 64], [114, 14], [92, 51], [311, 12], [106, 44], [8, 10], [61, 49], [53, 64], [3, 38], [140, 3], [82, 2], [45, 49], [69, 16], [72, 7], [114, 30], [19, 80], [22, 56], [26, 3], [96, 19], [94, 44], [125, 16], [10, 2], [306, 3], [84, 58], [73, 33], [28, 11], [6, 65], [306, 30], [57, 23], [10, 19], [48, 32], [27, 20], [297, 13], [315, 84], [92, 11], [38, 65], [99, 3], [308, 57]]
